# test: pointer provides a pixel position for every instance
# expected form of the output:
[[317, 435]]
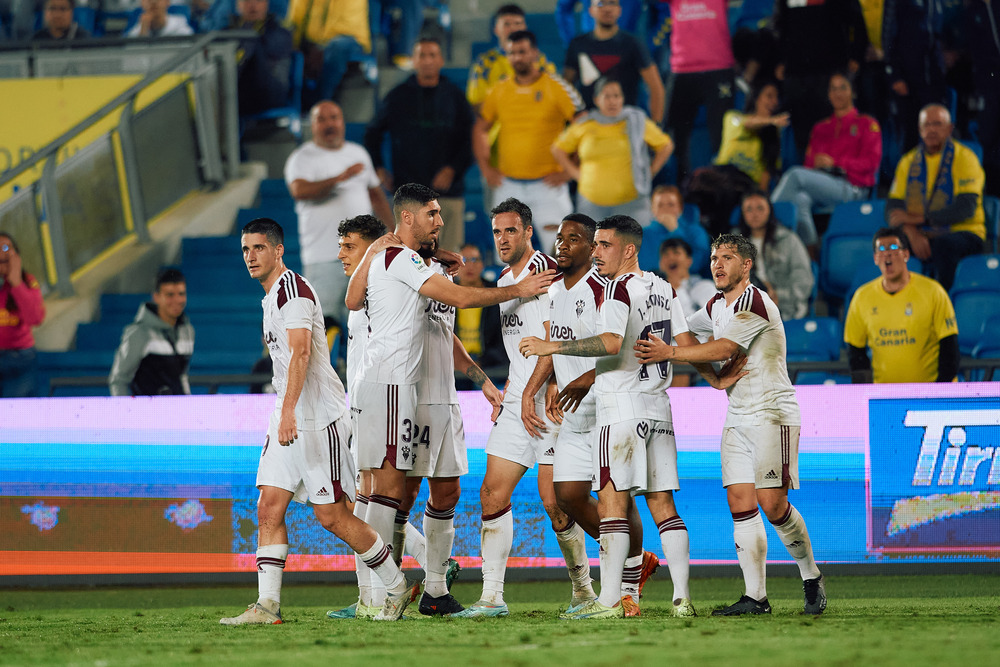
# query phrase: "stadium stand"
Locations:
[[846, 245], [976, 296]]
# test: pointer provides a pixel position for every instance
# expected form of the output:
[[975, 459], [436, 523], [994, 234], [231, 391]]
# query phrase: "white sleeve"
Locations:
[[614, 316], [678, 322], [408, 267], [743, 328], [700, 324], [297, 313]]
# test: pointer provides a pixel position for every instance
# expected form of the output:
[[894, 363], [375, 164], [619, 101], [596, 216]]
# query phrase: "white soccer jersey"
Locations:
[[752, 321], [291, 303], [520, 318], [634, 306], [357, 342], [437, 366], [396, 317], [573, 316]]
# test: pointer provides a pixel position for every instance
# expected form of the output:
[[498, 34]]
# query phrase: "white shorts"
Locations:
[[508, 439], [549, 205], [439, 446], [765, 455], [317, 467], [385, 424], [637, 455], [574, 456]]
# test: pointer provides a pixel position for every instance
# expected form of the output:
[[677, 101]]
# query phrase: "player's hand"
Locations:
[[451, 260], [920, 245], [731, 371], [287, 432], [534, 346], [533, 424], [552, 409], [573, 394], [535, 283], [353, 170], [555, 179], [495, 397], [654, 350], [385, 241]]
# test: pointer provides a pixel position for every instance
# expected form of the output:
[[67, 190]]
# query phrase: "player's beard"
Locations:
[[427, 249]]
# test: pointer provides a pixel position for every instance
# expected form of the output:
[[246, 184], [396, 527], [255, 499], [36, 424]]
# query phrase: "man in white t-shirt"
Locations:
[[760, 441], [392, 284], [331, 179], [636, 452], [305, 455]]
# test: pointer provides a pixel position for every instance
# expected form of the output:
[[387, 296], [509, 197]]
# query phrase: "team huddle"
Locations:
[[591, 339]]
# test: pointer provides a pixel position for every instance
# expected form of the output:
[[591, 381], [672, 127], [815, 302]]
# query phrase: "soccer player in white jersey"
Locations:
[[305, 455], [573, 312], [636, 452], [386, 389], [760, 440], [511, 451]]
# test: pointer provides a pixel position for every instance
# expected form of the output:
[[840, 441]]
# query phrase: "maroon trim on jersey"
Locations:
[[597, 285], [719, 296], [391, 424], [745, 516], [302, 288], [786, 455], [505, 271], [752, 301], [491, 517], [390, 254], [286, 288], [617, 290]]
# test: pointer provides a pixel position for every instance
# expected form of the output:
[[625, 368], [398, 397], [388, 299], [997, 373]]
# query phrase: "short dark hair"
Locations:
[[168, 275], [508, 10], [584, 220], [625, 227], [429, 39], [520, 35], [268, 227], [676, 242], [744, 246], [410, 194], [366, 226], [13, 241], [511, 205], [904, 241], [72, 4]]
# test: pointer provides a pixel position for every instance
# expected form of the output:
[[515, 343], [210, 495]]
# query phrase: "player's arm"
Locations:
[[727, 376], [601, 345], [465, 364], [539, 377], [300, 344], [656, 350], [441, 289], [358, 285], [572, 395]]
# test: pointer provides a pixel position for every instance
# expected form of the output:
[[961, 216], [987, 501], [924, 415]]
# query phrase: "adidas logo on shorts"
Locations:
[[771, 475], [322, 492]]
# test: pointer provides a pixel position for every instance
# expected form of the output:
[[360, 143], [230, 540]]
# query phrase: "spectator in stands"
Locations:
[[533, 108], [843, 157], [782, 265], [668, 223], [403, 37], [607, 153], [155, 351], [58, 23], [676, 260], [749, 156], [569, 27], [701, 73], [479, 328], [906, 319], [429, 124], [331, 179], [154, 21], [815, 39], [610, 51], [21, 308], [936, 197], [264, 61], [330, 33], [982, 30]]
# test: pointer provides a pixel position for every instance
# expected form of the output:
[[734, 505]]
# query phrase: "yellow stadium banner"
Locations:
[[45, 108]]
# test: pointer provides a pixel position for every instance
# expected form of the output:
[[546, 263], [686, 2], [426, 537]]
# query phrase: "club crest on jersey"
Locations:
[[642, 429], [406, 453], [579, 307]]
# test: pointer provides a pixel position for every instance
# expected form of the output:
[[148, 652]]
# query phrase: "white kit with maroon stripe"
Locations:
[[573, 316], [520, 318], [634, 306], [752, 321], [437, 367], [291, 303], [396, 317], [357, 343]]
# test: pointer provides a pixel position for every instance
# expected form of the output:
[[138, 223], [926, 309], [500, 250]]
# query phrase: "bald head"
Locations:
[[935, 127], [327, 123]]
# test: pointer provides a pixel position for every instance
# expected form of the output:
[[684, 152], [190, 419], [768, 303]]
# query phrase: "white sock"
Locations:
[[573, 544], [270, 566], [399, 535], [381, 516], [363, 571], [751, 551], [378, 559], [439, 529], [677, 550], [630, 576], [497, 537], [793, 533], [415, 545], [614, 551]]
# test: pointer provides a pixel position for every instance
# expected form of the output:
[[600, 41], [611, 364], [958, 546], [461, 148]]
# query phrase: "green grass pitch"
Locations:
[[936, 620]]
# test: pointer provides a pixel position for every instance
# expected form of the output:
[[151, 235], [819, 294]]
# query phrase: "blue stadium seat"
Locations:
[[356, 133], [291, 111], [813, 339], [283, 215], [274, 193], [784, 211], [991, 208], [976, 297], [988, 346], [457, 75], [74, 364], [847, 244]]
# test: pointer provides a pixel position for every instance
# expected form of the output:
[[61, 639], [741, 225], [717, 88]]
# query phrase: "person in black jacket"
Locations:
[[429, 123], [264, 61]]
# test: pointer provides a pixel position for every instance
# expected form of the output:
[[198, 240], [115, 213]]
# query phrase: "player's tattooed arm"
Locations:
[[600, 345]]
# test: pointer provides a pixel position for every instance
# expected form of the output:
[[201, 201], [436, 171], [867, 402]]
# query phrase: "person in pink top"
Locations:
[[701, 73], [21, 308], [844, 154]]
